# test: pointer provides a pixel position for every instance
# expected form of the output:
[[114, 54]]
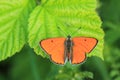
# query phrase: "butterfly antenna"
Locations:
[[62, 31], [75, 31]]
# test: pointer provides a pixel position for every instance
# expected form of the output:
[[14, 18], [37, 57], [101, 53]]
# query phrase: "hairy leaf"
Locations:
[[69, 15], [13, 25]]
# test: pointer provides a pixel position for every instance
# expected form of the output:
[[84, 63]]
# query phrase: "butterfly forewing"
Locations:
[[55, 48], [81, 46]]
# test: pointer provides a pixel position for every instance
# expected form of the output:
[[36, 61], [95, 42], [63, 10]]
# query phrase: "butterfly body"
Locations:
[[68, 49]]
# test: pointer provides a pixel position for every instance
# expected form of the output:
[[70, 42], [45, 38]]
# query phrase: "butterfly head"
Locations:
[[68, 36]]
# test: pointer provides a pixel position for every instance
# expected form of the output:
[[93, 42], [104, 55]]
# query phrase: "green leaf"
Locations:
[[69, 15], [13, 25]]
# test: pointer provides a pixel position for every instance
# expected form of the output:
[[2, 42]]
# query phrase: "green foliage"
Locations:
[[69, 73], [30, 67], [110, 13], [69, 16], [13, 25], [97, 67], [72, 75]]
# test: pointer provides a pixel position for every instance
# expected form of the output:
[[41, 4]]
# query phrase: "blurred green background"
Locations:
[[26, 65]]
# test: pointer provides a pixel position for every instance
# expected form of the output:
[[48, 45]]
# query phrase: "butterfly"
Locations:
[[70, 49]]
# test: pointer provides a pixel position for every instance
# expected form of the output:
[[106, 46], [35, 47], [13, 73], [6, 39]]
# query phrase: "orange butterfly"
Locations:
[[68, 49]]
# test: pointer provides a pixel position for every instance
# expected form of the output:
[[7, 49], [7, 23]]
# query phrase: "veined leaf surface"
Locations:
[[13, 25], [69, 15]]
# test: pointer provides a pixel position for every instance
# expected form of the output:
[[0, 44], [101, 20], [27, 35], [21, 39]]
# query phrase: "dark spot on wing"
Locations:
[[52, 41], [85, 40]]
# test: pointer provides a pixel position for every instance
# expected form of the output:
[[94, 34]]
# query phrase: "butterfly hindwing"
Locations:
[[55, 48], [81, 46]]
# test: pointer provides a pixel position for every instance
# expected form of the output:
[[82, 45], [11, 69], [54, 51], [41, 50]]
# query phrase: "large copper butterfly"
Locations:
[[68, 49]]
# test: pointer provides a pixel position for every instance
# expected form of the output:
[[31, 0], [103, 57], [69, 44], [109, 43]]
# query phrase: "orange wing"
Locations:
[[55, 48], [81, 46]]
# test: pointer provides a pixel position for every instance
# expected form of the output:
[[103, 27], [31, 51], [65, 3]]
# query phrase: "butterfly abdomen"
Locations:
[[68, 48]]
